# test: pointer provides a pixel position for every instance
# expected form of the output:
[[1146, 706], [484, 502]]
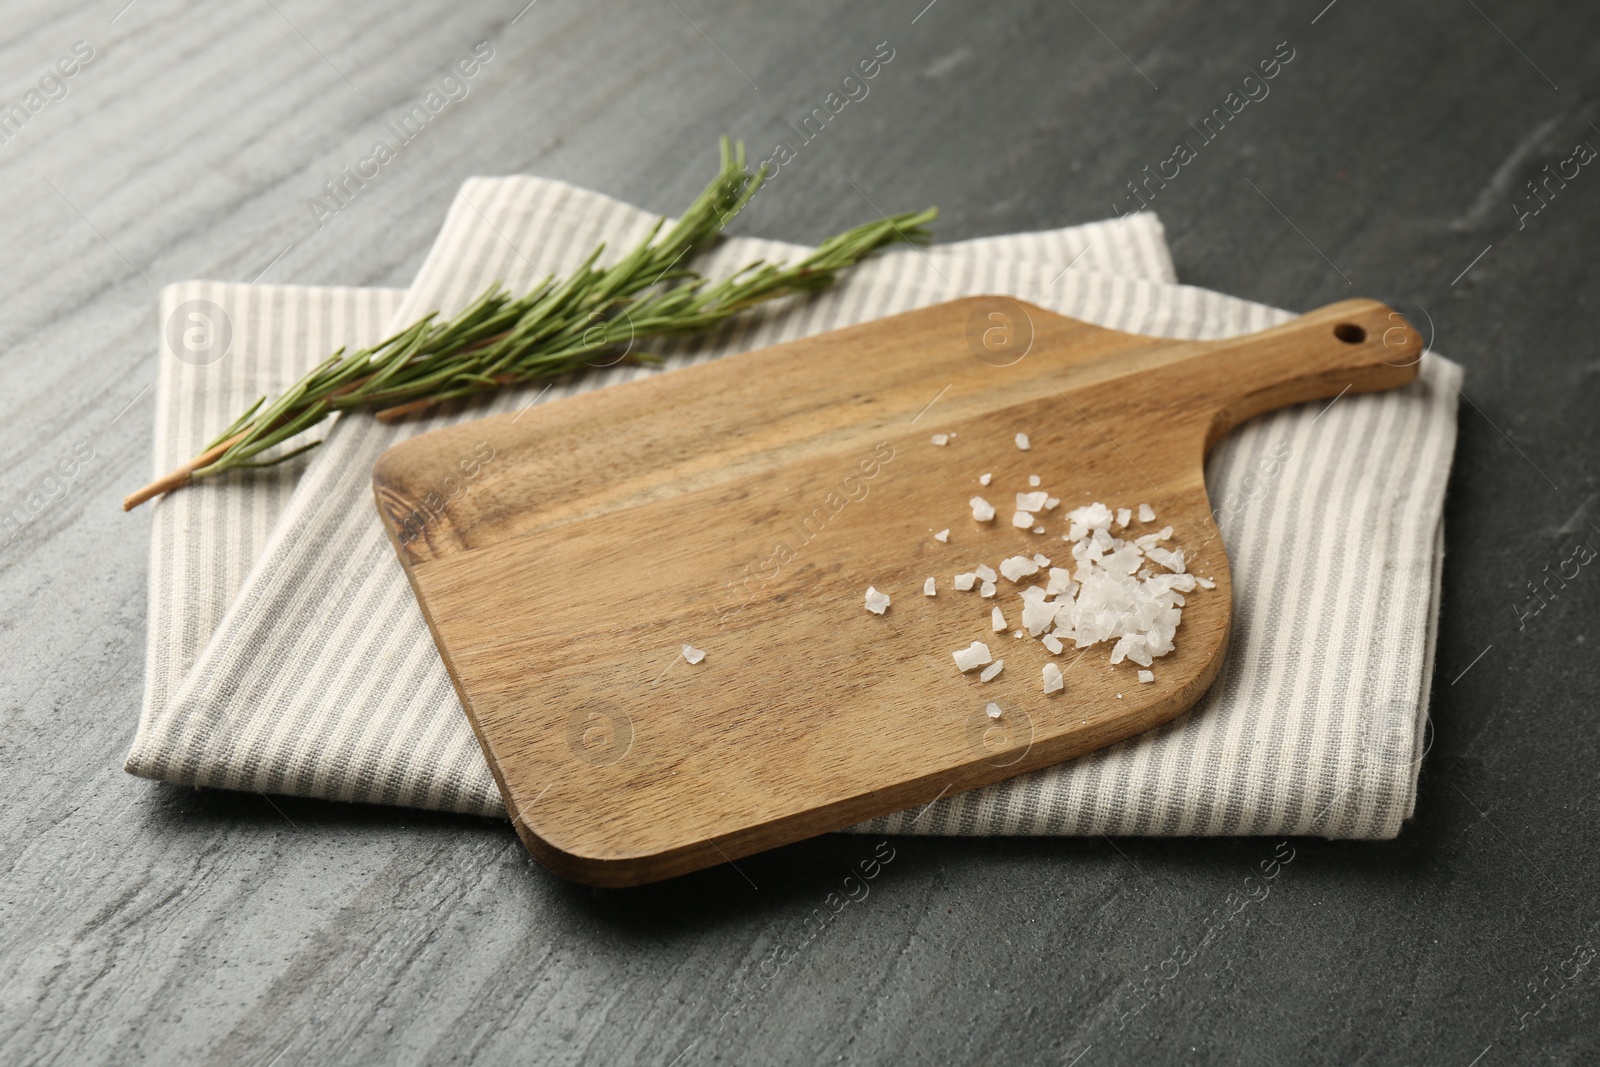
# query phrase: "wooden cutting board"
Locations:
[[564, 554]]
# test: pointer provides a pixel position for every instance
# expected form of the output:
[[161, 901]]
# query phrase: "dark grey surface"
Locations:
[[143, 923]]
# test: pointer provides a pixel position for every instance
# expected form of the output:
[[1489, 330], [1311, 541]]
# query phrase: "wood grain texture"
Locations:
[[149, 924], [613, 526]]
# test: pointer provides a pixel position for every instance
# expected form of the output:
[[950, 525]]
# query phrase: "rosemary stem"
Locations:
[[557, 327]]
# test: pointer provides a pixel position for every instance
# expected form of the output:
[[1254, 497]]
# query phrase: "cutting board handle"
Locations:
[[1357, 346]]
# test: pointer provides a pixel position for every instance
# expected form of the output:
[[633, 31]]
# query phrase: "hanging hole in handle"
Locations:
[[1350, 333]]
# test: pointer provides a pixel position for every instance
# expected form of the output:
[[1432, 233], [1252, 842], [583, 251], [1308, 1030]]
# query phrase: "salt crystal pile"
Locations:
[[1125, 591]]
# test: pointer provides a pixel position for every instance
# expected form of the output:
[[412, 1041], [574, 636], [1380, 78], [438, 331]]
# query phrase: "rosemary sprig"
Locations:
[[561, 325]]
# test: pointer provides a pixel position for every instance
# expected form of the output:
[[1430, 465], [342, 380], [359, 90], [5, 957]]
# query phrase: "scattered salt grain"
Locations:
[[928, 588], [1041, 559], [1053, 643], [1050, 502], [941, 438], [993, 709], [982, 510], [997, 619], [1147, 676], [1205, 583], [1124, 516], [986, 589], [942, 535], [877, 602], [992, 671], [1053, 682], [1033, 480], [974, 655], [1022, 520], [964, 582], [1032, 501], [1022, 442], [983, 479], [1038, 529], [692, 654], [985, 572], [1147, 513], [1017, 568]]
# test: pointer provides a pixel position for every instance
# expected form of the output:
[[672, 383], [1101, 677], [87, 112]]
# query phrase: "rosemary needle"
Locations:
[[559, 326]]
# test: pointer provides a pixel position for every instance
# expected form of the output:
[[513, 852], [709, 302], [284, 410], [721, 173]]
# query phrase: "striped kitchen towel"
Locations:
[[286, 653]]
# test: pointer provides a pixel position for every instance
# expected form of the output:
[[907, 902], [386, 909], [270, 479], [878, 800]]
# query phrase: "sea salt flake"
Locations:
[[1041, 559], [992, 671], [1131, 646], [964, 582], [985, 572], [974, 655], [928, 588], [692, 654], [1124, 516], [1172, 559], [983, 479], [1032, 501], [1053, 643], [1022, 442], [942, 535], [1147, 676], [982, 510], [997, 618], [1147, 513], [1022, 520], [1033, 479], [1016, 568], [1094, 516], [1053, 682], [1038, 616], [941, 438], [993, 710], [986, 589], [877, 602]]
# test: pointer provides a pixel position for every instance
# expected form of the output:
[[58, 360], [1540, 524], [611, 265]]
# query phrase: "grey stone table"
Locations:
[[143, 923]]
